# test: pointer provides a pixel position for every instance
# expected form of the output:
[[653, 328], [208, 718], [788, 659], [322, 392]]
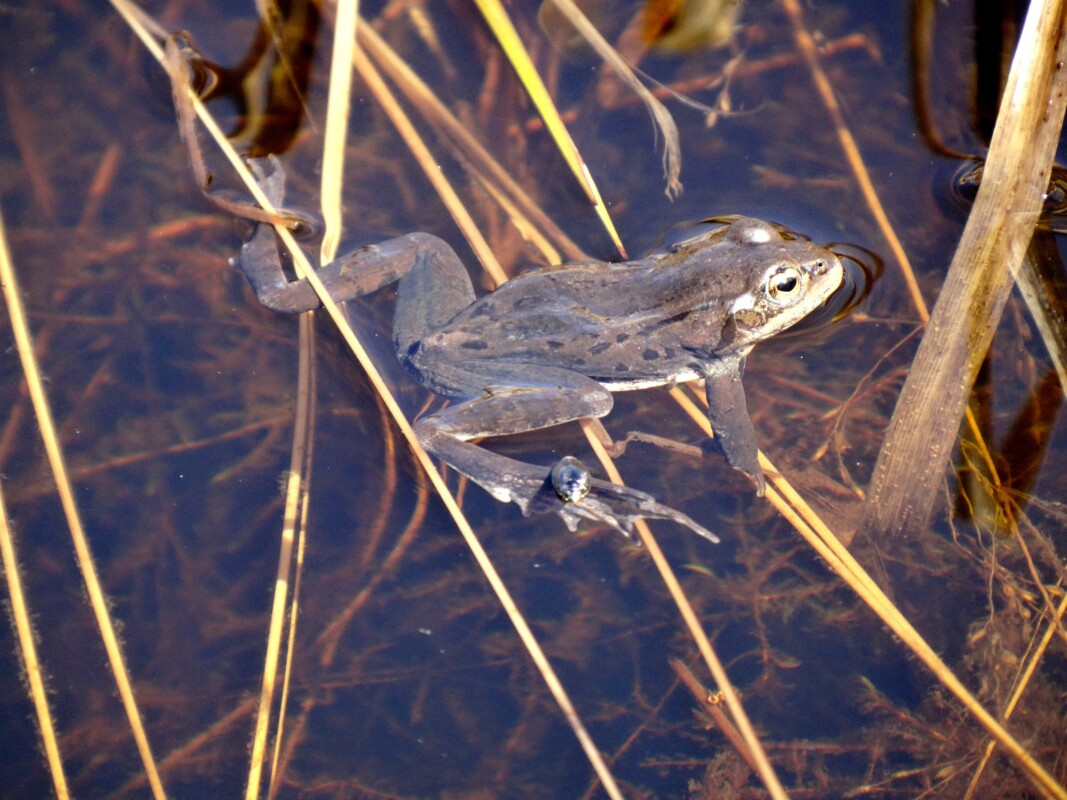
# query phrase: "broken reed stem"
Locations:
[[908, 474], [336, 135]]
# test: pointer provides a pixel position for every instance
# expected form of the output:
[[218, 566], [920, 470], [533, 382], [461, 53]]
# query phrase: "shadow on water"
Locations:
[[173, 391]]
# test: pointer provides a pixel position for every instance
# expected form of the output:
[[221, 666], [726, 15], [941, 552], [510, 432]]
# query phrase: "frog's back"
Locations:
[[604, 321]]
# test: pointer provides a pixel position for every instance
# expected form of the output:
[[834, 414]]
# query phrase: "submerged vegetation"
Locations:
[[178, 402]]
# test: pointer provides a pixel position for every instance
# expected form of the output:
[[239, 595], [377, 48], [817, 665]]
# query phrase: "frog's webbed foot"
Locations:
[[601, 501], [567, 490]]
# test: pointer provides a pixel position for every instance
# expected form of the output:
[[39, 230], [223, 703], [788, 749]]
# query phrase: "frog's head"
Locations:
[[785, 279]]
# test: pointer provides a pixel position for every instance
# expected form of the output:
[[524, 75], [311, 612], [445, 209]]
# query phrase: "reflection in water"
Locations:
[[269, 85]]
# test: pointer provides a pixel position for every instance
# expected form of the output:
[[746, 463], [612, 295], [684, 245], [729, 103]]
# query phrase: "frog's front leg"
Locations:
[[728, 414], [515, 398]]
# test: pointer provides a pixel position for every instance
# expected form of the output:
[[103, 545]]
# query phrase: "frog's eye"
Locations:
[[783, 285]]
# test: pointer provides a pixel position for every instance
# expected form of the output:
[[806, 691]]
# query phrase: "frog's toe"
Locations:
[[621, 506], [605, 502], [572, 494]]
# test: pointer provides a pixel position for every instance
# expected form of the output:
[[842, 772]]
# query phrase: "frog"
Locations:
[[553, 344]]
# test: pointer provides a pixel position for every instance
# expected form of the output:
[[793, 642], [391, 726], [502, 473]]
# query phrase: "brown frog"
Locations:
[[551, 345]]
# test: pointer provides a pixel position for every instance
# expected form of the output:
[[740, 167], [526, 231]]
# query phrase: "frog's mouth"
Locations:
[[862, 267]]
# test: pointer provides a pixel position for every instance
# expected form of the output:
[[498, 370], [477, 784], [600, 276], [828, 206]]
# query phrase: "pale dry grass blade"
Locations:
[[305, 386], [661, 117], [50, 439], [275, 780], [295, 491], [407, 131], [509, 41], [696, 630], [337, 111], [524, 213], [27, 649]]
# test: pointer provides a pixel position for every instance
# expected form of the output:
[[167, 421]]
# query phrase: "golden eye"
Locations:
[[783, 286]]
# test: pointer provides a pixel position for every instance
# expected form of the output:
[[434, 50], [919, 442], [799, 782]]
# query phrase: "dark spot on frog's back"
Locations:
[[597, 349], [622, 337], [552, 344], [650, 354], [475, 344]]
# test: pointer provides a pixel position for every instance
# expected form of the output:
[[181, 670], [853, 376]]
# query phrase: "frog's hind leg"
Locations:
[[504, 398], [435, 289], [358, 272], [354, 274], [515, 398]]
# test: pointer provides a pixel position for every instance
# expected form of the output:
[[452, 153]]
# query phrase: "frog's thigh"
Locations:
[[435, 289], [514, 398]]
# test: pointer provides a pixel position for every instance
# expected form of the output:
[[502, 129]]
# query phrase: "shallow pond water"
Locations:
[[173, 392]]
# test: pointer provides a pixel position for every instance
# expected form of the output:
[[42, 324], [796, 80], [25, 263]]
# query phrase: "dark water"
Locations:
[[173, 391]]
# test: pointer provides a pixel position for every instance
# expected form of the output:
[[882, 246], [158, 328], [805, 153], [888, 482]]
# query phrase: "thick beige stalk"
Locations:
[[908, 475]]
